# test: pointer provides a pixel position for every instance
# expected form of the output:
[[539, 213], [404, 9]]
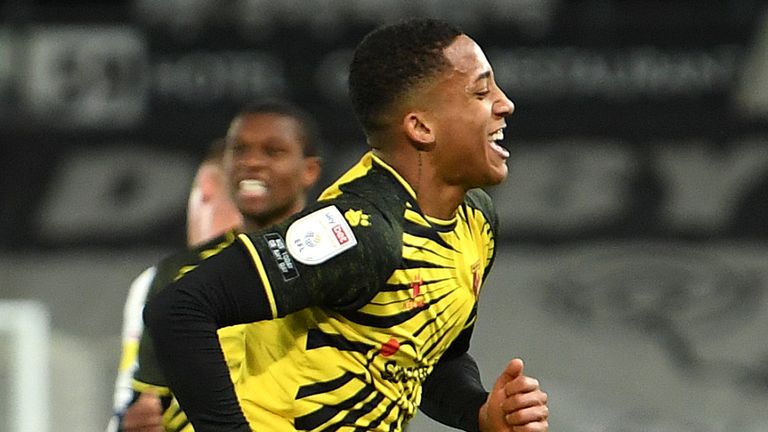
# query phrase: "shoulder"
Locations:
[[317, 252], [179, 262], [369, 184], [329, 228], [479, 200]]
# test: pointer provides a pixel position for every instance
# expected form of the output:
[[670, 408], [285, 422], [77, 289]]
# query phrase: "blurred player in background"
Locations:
[[271, 161], [210, 213]]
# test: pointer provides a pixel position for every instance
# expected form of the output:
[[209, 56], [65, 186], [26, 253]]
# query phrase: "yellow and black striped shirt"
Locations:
[[365, 294]]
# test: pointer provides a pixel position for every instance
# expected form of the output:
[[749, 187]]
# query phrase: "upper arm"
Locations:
[[332, 255]]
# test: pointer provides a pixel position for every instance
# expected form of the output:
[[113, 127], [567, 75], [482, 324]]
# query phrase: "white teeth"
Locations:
[[494, 139], [498, 135], [252, 186]]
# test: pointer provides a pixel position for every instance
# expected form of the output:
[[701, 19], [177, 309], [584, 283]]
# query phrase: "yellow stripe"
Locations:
[[174, 418], [130, 352], [360, 169], [395, 174], [143, 387], [204, 254], [262, 273]]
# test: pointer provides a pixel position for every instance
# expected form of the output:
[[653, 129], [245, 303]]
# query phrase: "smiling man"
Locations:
[[261, 174], [272, 162], [374, 288]]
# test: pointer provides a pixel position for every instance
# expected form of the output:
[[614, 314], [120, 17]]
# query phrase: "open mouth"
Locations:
[[252, 187], [494, 139]]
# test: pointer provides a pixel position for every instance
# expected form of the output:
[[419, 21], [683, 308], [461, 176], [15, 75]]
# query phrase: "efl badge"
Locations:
[[319, 236]]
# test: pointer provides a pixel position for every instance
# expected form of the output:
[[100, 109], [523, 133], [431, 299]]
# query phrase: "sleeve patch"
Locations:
[[319, 236], [280, 255]]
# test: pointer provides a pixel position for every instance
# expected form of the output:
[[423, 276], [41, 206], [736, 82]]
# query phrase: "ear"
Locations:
[[312, 170], [207, 182], [417, 128]]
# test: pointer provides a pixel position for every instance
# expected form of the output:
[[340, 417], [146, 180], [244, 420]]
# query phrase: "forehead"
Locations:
[[467, 57], [253, 127]]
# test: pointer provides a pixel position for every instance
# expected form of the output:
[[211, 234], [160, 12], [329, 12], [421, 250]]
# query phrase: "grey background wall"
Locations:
[[632, 268]]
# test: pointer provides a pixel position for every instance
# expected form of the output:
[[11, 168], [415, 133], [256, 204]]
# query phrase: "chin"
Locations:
[[497, 175], [252, 212], [252, 202]]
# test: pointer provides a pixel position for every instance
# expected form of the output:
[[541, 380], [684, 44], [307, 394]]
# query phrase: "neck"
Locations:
[[435, 197]]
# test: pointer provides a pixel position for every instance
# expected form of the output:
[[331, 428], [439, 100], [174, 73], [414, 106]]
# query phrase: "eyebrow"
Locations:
[[483, 75]]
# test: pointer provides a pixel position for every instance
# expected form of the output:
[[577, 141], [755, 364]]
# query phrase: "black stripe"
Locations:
[[176, 413], [377, 421], [415, 264], [381, 321], [353, 416], [425, 249], [319, 339], [407, 287], [438, 338], [396, 287], [430, 233], [325, 387], [183, 425], [325, 413], [389, 320], [433, 226], [428, 323], [385, 303]]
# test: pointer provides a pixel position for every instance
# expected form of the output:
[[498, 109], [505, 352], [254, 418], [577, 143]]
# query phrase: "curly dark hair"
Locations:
[[392, 60]]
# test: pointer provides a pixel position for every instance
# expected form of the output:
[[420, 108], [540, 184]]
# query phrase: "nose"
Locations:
[[504, 106], [251, 158]]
